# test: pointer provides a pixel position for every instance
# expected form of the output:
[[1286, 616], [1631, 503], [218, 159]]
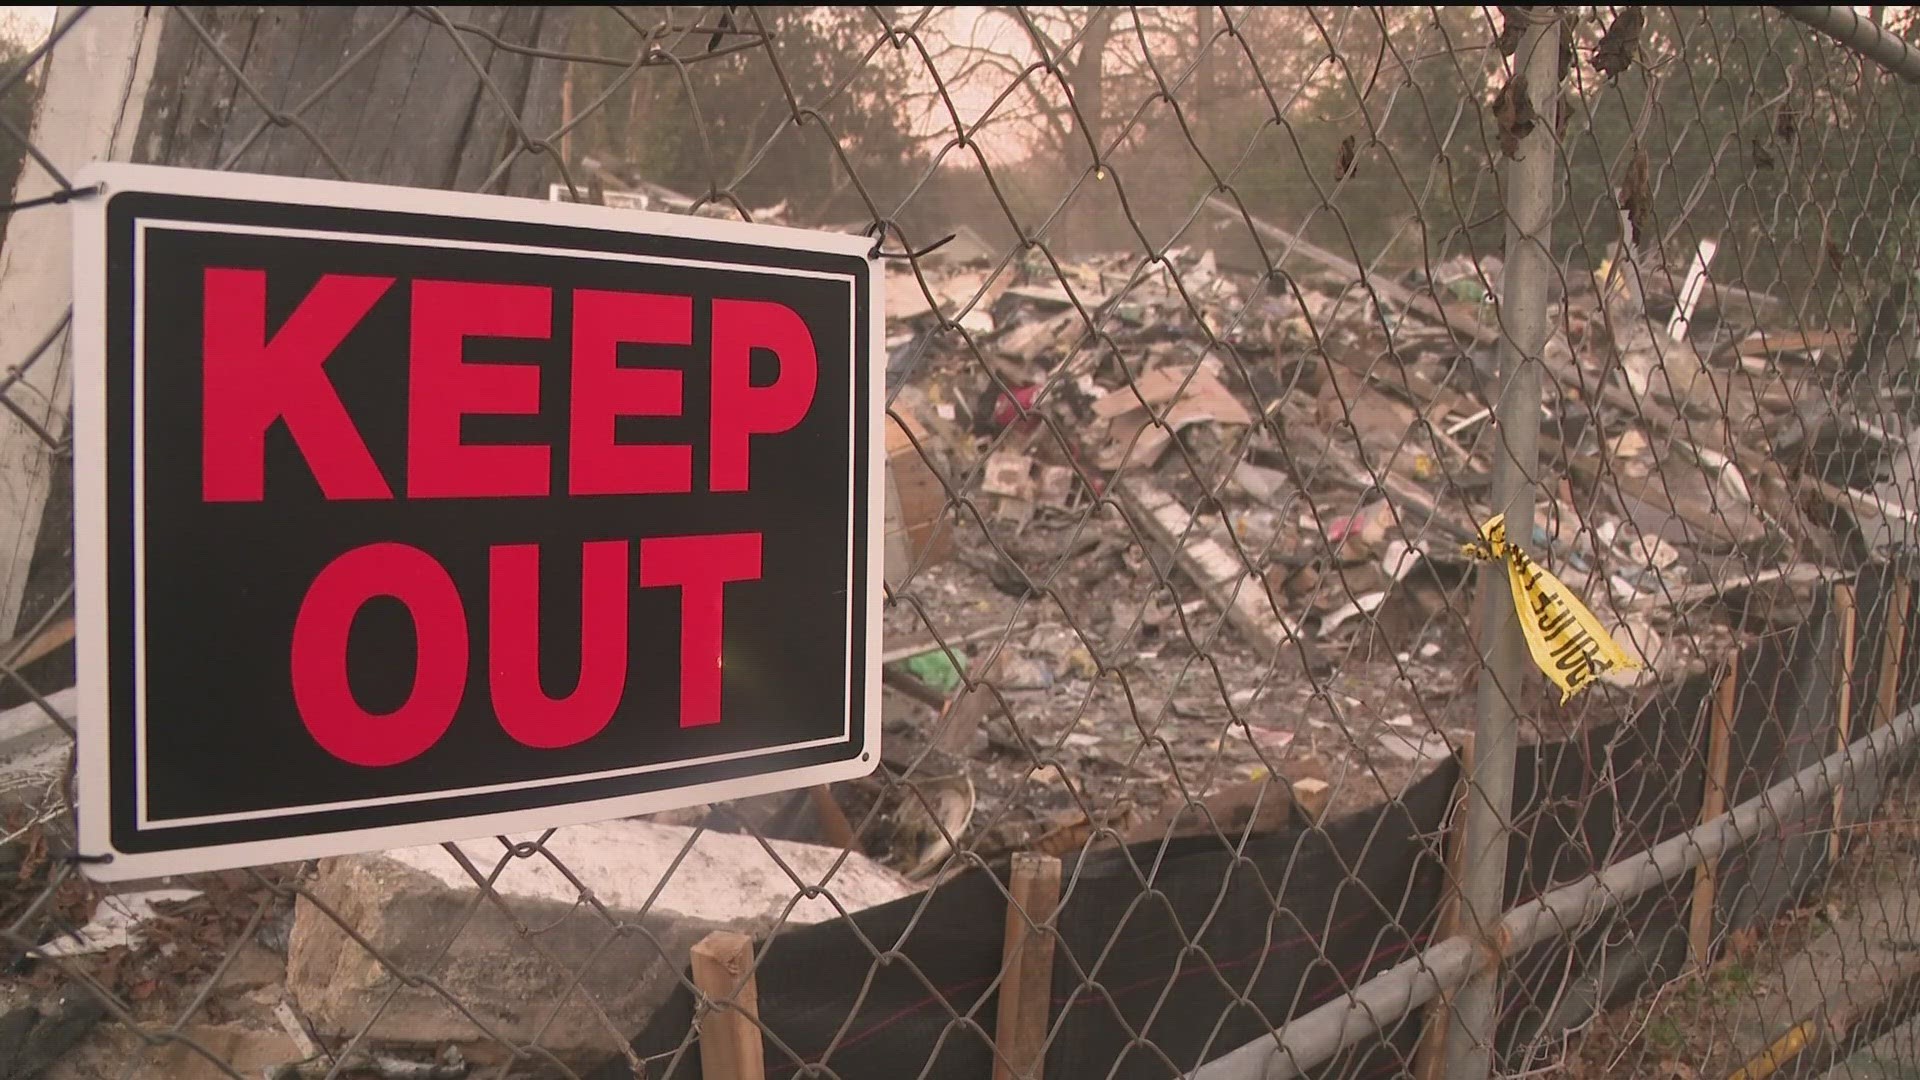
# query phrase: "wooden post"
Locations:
[[1892, 645], [1843, 614], [729, 1039], [1430, 1057], [1026, 984], [1713, 803]]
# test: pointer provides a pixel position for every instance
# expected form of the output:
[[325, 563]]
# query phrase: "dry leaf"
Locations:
[[1786, 123], [1762, 157], [1835, 257], [1614, 54], [1513, 111], [1511, 29], [1346, 157], [1636, 192]]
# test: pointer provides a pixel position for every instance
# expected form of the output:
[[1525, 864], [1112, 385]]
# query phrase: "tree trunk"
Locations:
[[413, 112], [1087, 79]]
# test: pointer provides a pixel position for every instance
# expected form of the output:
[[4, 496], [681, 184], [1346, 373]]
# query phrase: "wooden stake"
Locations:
[[1713, 803], [1893, 645], [1310, 797], [1430, 1057], [1843, 613], [729, 1038], [1026, 988]]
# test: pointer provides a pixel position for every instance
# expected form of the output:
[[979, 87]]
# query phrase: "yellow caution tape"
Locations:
[[1567, 642]]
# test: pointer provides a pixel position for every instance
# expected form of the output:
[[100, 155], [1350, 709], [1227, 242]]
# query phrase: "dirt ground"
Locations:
[[1841, 951]]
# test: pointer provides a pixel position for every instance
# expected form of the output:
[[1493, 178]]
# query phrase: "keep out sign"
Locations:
[[405, 516]]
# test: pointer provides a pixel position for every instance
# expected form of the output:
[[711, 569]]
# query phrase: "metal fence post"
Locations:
[[1528, 199]]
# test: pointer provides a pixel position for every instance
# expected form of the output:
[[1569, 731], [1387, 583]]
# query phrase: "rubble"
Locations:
[[1179, 458], [513, 964]]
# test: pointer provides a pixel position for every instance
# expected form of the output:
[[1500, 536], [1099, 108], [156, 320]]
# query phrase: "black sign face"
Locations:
[[407, 516]]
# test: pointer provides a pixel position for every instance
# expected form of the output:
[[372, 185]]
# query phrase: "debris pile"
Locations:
[[1200, 527]]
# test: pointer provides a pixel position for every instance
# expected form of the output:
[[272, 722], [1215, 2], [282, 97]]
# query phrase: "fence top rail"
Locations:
[[1862, 35]]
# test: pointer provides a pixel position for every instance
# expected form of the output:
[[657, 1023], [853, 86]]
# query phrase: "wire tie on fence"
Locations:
[[877, 253], [90, 860], [63, 195]]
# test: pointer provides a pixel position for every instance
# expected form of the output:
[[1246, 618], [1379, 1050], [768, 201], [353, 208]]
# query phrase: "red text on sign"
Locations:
[[699, 567], [252, 380]]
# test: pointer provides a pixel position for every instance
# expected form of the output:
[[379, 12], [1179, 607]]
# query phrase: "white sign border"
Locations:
[[88, 338]]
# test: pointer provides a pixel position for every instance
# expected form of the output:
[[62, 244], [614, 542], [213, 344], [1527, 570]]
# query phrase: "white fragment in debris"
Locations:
[[1430, 650], [1054, 485], [1259, 481], [1400, 558], [1240, 699], [1008, 473], [1651, 550], [1365, 604], [1403, 720], [114, 921], [1264, 737], [1722, 469], [283, 1011], [1407, 748], [1641, 641], [945, 410]]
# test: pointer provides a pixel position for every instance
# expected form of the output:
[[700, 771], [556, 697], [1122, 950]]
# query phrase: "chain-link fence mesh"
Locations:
[[1213, 336]]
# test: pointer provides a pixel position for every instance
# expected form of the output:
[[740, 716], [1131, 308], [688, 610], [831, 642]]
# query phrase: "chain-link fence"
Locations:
[[1214, 337]]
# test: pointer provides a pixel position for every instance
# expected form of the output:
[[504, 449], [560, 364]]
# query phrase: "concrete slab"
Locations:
[[26, 730], [531, 972]]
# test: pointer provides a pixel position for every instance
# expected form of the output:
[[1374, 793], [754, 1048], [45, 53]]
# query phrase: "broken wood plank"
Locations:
[[1850, 499], [1411, 503], [953, 731], [1026, 985], [1265, 804], [1432, 399], [1232, 587], [1796, 574], [23, 651]]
